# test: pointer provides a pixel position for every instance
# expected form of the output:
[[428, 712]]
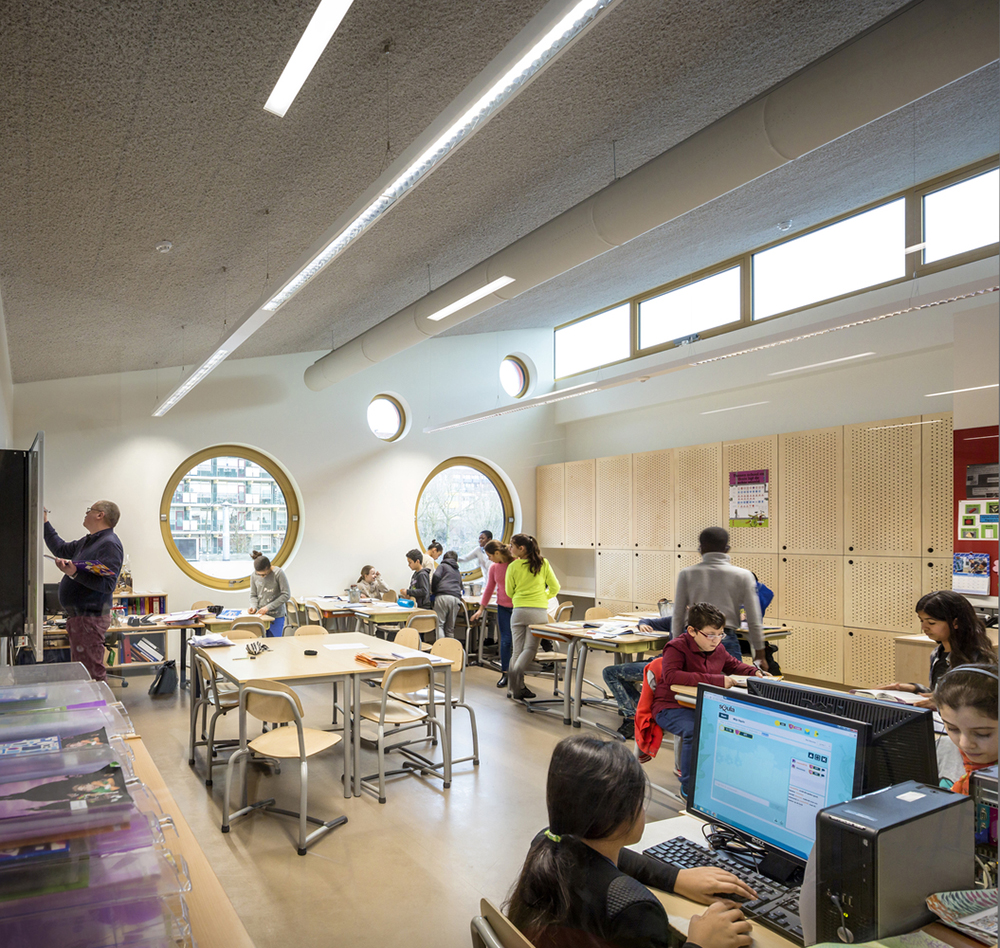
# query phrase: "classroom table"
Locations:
[[388, 612], [286, 662], [578, 640]]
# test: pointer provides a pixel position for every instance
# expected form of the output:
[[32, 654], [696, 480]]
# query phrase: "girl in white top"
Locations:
[[370, 583]]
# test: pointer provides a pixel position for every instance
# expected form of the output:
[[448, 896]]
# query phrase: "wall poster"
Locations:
[[971, 573], [748, 499], [977, 519]]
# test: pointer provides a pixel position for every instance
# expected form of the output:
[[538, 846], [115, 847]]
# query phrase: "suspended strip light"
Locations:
[[495, 98], [307, 51], [471, 298], [643, 375], [539, 52]]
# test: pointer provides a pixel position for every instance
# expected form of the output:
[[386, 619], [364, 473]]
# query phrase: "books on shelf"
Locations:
[[144, 650]]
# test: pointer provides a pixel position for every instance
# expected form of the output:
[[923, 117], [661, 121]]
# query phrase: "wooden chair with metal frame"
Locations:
[[422, 625], [388, 596], [492, 929], [319, 630], [452, 650], [292, 618], [274, 701], [314, 615], [201, 604], [222, 695], [246, 629], [597, 612], [404, 677]]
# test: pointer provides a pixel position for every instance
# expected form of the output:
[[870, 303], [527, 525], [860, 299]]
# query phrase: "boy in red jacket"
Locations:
[[691, 659]]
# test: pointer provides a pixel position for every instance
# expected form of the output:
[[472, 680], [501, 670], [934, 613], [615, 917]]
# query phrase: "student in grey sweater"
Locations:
[[269, 591], [729, 588]]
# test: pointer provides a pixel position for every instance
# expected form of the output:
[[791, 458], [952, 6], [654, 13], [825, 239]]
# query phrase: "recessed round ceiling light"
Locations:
[[785, 225], [164, 246]]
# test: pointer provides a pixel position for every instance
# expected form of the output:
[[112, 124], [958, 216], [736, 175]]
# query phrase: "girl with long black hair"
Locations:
[[579, 887]]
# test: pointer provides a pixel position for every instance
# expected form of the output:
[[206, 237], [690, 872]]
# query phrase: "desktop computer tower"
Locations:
[[879, 856]]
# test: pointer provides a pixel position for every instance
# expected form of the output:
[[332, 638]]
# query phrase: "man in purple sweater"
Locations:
[[91, 566]]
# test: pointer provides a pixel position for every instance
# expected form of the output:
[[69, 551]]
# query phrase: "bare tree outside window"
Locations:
[[456, 506]]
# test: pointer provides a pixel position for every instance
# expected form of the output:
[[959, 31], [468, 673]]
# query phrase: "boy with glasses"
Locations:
[[689, 659]]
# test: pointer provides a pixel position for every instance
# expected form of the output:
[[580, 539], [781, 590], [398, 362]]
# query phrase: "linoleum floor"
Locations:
[[408, 872]]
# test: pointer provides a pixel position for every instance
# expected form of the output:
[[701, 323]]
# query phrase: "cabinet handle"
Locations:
[[784, 559], [931, 565], [850, 562], [930, 549], [850, 549]]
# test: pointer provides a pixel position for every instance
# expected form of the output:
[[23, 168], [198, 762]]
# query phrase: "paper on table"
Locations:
[[345, 645]]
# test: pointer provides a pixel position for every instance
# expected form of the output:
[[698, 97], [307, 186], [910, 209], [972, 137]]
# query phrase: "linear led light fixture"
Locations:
[[307, 51], [851, 325], [643, 375], [817, 365], [955, 391], [539, 54], [908, 424], [471, 298], [579, 17], [716, 411]]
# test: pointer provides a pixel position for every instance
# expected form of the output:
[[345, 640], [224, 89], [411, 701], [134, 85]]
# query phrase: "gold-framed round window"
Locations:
[[220, 505], [460, 499], [514, 376], [386, 417]]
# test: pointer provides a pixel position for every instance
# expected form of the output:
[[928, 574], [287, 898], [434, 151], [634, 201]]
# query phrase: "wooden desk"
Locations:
[[578, 640], [214, 922], [386, 612], [913, 658], [287, 662]]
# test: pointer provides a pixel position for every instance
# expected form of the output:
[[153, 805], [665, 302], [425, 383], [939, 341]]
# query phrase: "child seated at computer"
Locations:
[[966, 699], [691, 659], [579, 886]]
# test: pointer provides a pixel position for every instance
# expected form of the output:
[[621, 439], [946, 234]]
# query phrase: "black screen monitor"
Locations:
[[902, 746], [50, 596], [766, 770]]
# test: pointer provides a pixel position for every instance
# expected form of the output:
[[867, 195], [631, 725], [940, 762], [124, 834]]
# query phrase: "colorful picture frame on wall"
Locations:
[[970, 533]]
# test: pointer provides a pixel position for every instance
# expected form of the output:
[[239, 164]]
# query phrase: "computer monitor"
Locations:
[[766, 770], [902, 746], [50, 599]]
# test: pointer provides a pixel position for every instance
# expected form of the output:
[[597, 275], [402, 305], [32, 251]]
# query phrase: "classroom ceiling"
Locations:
[[129, 124]]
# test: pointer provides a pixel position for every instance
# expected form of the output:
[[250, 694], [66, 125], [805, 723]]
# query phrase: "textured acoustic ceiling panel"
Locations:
[[126, 124]]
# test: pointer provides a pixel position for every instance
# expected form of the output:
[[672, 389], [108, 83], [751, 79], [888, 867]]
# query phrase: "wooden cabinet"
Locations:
[[753, 454], [653, 480], [579, 504], [811, 502], [880, 592], [811, 588], [613, 502], [698, 499], [550, 499]]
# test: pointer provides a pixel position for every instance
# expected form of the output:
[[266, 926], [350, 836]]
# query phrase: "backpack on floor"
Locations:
[[165, 682]]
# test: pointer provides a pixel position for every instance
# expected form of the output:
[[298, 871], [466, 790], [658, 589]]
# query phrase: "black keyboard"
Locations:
[[776, 906]]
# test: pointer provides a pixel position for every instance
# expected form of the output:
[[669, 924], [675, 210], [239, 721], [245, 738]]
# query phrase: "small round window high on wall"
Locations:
[[387, 417], [514, 376], [219, 506], [460, 499]]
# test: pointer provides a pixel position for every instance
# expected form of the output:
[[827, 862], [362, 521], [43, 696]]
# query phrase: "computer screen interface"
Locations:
[[766, 769]]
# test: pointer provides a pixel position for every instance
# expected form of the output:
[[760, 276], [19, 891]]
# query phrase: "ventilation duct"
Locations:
[[912, 55]]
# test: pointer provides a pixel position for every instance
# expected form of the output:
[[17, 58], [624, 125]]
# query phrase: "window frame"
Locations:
[[939, 184], [598, 312], [267, 464], [524, 374], [499, 483], [401, 430]]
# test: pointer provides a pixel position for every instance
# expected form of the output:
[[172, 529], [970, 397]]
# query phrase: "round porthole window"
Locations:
[[386, 417], [514, 376], [220, 505]]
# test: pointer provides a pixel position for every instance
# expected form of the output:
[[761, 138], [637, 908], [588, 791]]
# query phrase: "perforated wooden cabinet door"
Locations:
[[549, 505], [935, 573], [699, 502], [617, 607], [811, 501], [580, 504], [765, 565], [812, 588], [937, 452], [652, 576], [645, 607], [880, 592], [812, 651], [869, 658], [882, 488], [614, 502], [614, 574], [653, 478], [753, 454]]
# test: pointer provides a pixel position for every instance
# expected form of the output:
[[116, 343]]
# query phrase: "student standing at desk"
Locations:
[[496, 579], [729, 588], [530, 584], [269, 591]]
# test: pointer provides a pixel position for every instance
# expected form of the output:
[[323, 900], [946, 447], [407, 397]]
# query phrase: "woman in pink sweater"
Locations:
[[496, 579]]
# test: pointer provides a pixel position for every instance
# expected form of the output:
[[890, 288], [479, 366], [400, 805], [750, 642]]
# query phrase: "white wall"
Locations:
[[358, 493], [977, 359]]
